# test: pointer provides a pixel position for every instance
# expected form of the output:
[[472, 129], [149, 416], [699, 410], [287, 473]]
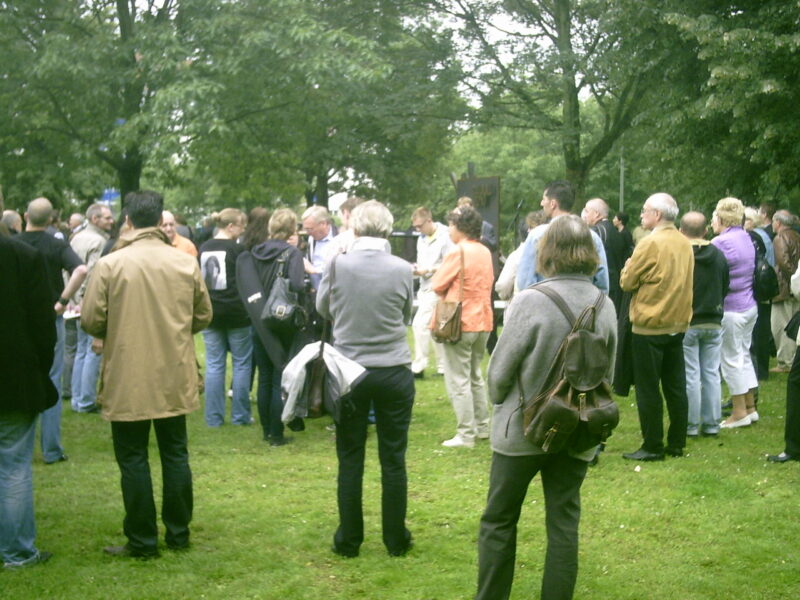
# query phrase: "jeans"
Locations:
[[268, 395], [130, 449], [218, 342], [562, 477], [660, 358], [17, 524], [85, 371], [391, 390], [701, 353], [51, 418]]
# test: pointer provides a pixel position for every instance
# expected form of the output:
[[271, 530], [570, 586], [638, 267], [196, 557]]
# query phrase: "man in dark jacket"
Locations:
[[27, 320], [703, 340]]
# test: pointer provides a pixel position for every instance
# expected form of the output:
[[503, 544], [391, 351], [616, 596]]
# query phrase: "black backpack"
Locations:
[[765, 279], [576, 410]]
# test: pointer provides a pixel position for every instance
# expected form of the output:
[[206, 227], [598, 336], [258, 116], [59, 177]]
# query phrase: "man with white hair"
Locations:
[[595, 215], [317, 223], [168, 226], [660, 274]]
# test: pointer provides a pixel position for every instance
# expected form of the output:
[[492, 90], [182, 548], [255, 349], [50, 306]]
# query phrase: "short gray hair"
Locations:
[[319, 213], [665, 204], [371, 219], [784, 217]]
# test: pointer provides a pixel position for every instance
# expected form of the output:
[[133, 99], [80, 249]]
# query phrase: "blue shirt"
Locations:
[[527, 274]]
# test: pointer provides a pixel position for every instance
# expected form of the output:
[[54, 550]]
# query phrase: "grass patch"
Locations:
[[718, 523]]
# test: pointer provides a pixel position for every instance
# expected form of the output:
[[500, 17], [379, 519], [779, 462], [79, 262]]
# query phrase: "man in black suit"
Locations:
[[27, 320], [595, 215]]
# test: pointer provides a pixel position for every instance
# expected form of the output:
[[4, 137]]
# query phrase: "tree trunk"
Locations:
[[129, 173]]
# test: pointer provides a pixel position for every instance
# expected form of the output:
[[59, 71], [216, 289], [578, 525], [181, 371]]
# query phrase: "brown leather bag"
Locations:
[[447, 315], [576, 410]]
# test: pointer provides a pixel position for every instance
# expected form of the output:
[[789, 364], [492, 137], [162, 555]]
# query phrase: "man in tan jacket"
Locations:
[[660, 274], [146, 301]]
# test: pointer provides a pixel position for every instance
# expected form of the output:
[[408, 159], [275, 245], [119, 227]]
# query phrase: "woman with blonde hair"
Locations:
[[273, 347], [740, 311], [229, 330]]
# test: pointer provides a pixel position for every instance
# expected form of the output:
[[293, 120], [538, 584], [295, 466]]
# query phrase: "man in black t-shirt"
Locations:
[[58, 256]]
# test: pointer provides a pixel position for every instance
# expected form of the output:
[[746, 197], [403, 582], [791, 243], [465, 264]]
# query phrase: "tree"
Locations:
[[533, 63]]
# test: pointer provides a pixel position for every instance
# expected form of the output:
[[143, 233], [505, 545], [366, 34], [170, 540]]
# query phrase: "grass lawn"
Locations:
[[720, 523]]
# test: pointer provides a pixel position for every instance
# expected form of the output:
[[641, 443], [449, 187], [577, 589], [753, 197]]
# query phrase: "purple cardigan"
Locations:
[[736, 245]]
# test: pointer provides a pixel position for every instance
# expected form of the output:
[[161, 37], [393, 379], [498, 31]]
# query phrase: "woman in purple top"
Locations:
[[740, 311]]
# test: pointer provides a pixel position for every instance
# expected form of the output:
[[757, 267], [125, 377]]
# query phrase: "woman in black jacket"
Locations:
[[273, 346]]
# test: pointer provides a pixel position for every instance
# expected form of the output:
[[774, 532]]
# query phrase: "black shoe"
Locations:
[[404, 551], [420, 375], [336, 550], [782, 457], [126, 552], [675, 452], [296, 424], [93, 409], [644, 455], [279, 441], [177, 547], [61, 458]]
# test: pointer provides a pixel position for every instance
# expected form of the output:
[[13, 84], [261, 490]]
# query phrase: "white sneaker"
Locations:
[[457, 442], [483, 435]]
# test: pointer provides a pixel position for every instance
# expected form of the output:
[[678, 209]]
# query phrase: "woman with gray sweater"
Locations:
[[534, 329], [368, 293]]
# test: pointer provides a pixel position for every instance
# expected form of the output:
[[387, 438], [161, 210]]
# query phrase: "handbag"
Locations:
[[447, 314], [793, 326], [282, 309]]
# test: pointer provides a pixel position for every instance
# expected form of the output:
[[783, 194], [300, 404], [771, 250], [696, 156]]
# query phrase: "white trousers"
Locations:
[[737, 367], [420, 326], [781, 313]]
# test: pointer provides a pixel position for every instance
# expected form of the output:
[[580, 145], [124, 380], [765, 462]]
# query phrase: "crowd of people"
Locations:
[[677, 311]]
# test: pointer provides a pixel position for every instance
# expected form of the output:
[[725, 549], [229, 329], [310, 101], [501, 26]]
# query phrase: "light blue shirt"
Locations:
[[527, 274]]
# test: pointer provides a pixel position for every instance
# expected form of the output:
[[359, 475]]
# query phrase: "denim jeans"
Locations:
[[701, 353], [218, 342], [17, 524], [70, 346], [85, 371], [51, 418]]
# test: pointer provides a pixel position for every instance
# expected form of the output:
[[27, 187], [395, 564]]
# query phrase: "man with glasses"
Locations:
[[432, 245], [660, 274]]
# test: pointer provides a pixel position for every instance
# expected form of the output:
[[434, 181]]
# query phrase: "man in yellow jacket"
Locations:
[[146, 301], [660, 274]]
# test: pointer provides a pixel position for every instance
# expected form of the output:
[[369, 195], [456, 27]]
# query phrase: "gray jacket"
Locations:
[[369, 304], [533, 331]]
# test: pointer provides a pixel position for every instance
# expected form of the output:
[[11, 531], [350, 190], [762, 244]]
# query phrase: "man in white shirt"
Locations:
[[317, 223], [432, 245]]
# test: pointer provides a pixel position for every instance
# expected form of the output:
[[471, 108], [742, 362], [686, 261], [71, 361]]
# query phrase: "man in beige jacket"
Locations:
[[660, 273], [146, 301]]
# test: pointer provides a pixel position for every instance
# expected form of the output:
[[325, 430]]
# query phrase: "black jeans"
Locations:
[[792, 425], [268, 394], [130, 448], [660, 358], [562, 477], [391, 390]]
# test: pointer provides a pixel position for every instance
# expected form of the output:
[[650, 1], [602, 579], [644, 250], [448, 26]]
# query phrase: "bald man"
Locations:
[[595, 215], [168, 226], [58, 257], [702, 343], [660, 275]]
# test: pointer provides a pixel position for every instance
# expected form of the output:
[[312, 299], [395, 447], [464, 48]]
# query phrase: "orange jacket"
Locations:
[[476, 308]]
